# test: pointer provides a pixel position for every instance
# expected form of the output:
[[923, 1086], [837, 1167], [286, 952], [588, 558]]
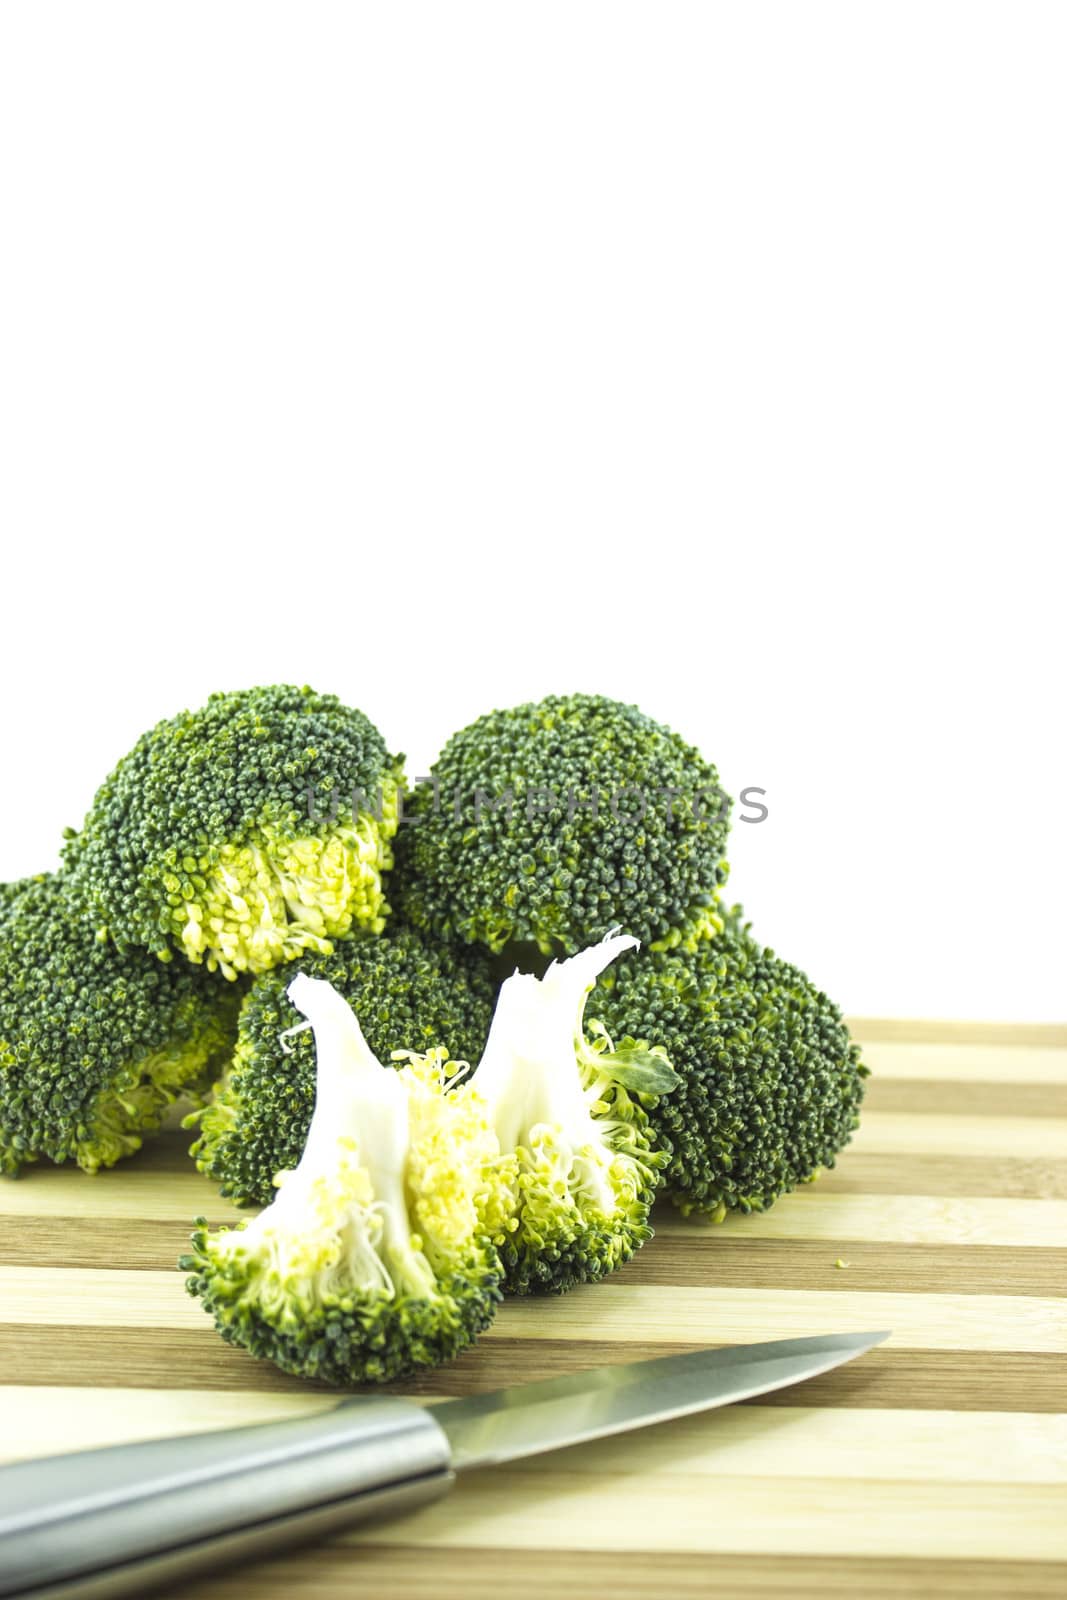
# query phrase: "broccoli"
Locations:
[[551, 823], [409, 995], [770, 1083], [576, 1144], [95, 1043], [243, 834], [375, 1258]]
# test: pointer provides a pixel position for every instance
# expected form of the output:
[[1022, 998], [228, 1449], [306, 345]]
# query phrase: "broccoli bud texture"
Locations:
[[96, 1043], [375, 1259], [554, 822], [570, 1114], [243, 834]]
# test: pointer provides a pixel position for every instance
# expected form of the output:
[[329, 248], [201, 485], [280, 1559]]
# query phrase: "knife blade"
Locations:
[[121, 1520], [487, 1429]]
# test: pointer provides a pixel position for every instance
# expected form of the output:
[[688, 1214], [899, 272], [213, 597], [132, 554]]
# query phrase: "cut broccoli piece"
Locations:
[[409, 995], [243, 834], [770, 1082], [374, 1259], [613, 821], [95, 1043], [570, 1115]]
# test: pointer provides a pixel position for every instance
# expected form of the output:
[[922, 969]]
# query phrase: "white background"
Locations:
[[445, 355]]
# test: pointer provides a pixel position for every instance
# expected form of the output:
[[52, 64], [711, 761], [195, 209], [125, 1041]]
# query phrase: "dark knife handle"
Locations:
[[122, 1520]]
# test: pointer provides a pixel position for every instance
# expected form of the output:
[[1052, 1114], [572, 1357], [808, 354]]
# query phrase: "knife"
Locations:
[[119, 1521]]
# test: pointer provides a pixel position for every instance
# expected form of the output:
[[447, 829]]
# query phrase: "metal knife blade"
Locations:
[[122, 1520], [531, 1418]]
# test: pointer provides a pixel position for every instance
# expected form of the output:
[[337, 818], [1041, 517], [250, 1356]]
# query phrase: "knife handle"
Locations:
[[119, 1521]]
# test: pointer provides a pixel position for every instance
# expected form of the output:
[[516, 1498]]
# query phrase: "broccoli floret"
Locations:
[[612, 821], [410, 996], [770, 1082], [570, 1115], [375, 1258], [95, 1043], [243, 834]]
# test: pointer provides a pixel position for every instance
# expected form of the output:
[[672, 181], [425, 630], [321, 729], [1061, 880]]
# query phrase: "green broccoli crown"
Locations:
[[770, 1082], [375, 1258], [409, 996], [570, 1114], [556, 821], [244, 833], [95, 1043]]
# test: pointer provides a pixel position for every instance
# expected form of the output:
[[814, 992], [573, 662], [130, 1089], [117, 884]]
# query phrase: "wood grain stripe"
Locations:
[[990, 1035], [814, 1212], [466, 1573], [930, 1173], [922, 1321], [178, 1197], [929, 1097], [164, 1168], [812, 1516], [117, 1195], [50, 1296], [897, 1133], [680, 1256], [144, 1192], [936, 1464], [751, 1441], [959, 1065], [797, 1263], [164, 1359]]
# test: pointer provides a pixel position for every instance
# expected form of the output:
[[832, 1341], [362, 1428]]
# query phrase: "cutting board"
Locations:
[[937, 1464]]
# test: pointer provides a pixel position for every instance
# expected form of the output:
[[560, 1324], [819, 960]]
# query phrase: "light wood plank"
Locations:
[[960, 1064], [116, 1194], [563, 1510], [40, 1421], [898, 1133], [738, 1441], [907, 1030], [49, 1296], [728, 1316], [142, 1190], [808, 1213]]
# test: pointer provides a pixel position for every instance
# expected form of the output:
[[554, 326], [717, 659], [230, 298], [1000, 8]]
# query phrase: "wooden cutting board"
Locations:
[[937, 1464]]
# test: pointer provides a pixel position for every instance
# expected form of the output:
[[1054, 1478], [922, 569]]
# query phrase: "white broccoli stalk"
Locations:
[[332, 1280], [359, 1132], [582, 1168]]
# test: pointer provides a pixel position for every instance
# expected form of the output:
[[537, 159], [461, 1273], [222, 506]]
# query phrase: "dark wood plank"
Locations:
[[458, 1573], [972, 1098], [1004, 1177], [158, 1358], [715, 1259]]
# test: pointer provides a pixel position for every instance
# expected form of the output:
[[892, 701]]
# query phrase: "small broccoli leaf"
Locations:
[[635, 1066]]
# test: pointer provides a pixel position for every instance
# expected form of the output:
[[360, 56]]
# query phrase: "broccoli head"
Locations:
[[770, 1082], [243, 834], [552, 823], [570, 1115], [375, 1258], [409, 997], [95, 1043]]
